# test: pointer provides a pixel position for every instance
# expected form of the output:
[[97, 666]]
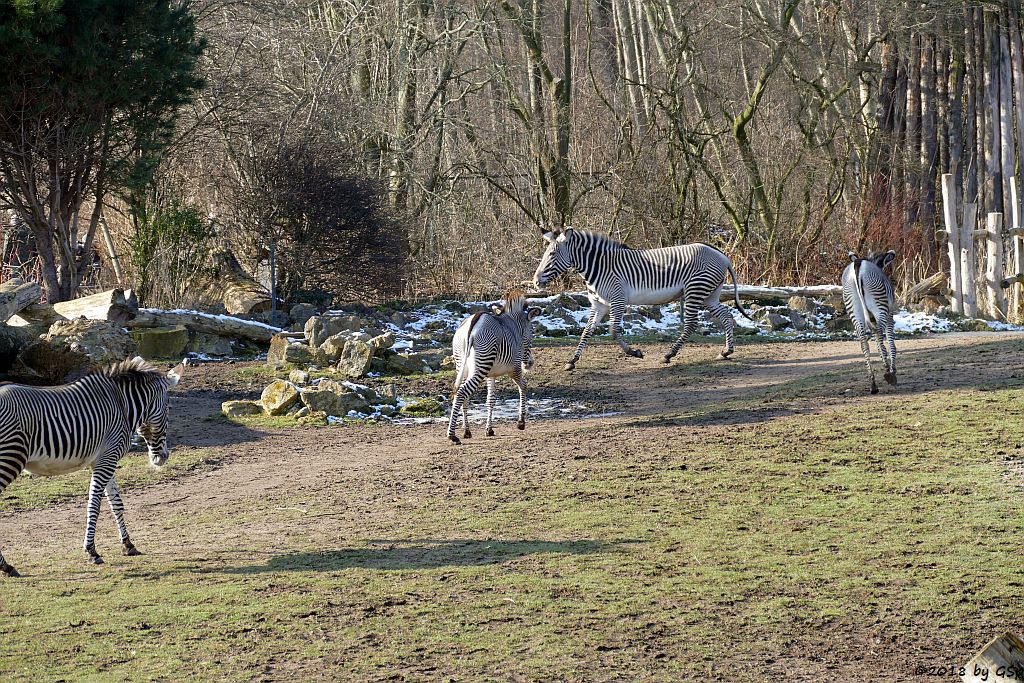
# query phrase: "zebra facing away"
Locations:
[[869, 297], [618, 276], [87, 423], [487, 346]]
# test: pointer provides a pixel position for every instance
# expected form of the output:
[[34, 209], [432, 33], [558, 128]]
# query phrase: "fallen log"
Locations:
[[35, 314], [114, 305], [932, 285], [222, 325], [15, 295], [242, 294], [754, 293]]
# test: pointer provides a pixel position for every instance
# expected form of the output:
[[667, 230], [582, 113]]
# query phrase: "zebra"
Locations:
[[488, 345], [87, 423], [869, 297], [617, 276]]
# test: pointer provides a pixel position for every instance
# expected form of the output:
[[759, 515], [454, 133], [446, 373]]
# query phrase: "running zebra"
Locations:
[[487, 346], [869, 298], [618, 276], [88, 423]]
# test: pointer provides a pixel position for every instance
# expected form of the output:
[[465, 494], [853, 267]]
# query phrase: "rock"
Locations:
[[775, 321], [382, 342], [301, 413], [797, 320], [12, 340], [833, 304], [839, 323], [566, 302], [388, 391], [321, 327], [742, 330], [412, 364], [423, 407], [210, 345], [387, 410], [974, 325], [802, 304], [283, 350], [334, 399], [298, 377], [69, 349], [161, 342], [399, 319], [355, 359], [334, 345], [454, 306], [241, 408], [448, 363], [300, 313], [278, 397], [932, 304]]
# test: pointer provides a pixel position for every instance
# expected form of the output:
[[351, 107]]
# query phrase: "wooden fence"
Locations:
[[978, 282]]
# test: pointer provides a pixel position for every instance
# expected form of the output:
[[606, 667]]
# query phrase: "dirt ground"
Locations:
[[376, 465]]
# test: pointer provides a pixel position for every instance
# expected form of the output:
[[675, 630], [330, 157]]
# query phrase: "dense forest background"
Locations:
[[412, 147]]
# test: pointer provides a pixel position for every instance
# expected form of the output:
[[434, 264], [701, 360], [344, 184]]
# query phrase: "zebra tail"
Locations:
[[736, 293], [860, 288]]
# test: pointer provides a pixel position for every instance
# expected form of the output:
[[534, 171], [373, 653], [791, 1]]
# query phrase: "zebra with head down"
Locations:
[[87, 423], [488, 345]]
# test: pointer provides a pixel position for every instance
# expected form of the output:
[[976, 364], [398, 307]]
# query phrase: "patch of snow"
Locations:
[[999, 326], [919, 321], [213, 316]]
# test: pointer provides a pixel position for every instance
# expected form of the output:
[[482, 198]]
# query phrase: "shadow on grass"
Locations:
[[393, 555]]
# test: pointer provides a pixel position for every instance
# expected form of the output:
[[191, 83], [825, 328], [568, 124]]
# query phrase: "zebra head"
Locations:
[[150, 397], [556, 259]]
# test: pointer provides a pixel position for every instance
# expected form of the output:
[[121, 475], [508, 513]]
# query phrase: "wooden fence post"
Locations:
[[968, 271], [994, 267], [953, 235], [1018, 253]]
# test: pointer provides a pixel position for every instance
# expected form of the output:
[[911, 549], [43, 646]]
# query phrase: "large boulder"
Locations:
[[355, 359], [285, 350], [70, 349], [161, 342], [382, 343], [333, 399], [302, 312], [802, 304], [241, 408], [774, 320], [423, 407], [401, 364], [321, 327], [279, 397], [206, 344]]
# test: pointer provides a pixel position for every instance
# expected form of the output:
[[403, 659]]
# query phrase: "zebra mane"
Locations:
[[602, 242], [515, 302], [128, 368]]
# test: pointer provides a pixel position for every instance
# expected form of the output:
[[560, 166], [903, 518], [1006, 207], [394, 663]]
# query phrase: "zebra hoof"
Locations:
[[520, 426], [467, 434], [95, 559], [890, 377], [635, 353], [569, 367], [129, 550], [724, 355], [666, 360], [490, 432], [9, 570], [455, 440], [874, 389]]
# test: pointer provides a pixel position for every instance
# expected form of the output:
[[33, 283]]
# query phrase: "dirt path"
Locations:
[[258, 464]]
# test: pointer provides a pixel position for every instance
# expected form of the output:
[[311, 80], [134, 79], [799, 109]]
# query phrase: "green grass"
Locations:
[[645, 550], [28, 491]]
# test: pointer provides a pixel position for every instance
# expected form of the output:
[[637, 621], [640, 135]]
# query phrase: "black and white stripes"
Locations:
[[618, 276], [487, 346], [869, 298], [88, 423]]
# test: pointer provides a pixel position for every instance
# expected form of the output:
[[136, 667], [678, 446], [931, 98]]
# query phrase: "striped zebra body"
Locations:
[[869, 297], [89, 423], [618, 276], [487, 346]]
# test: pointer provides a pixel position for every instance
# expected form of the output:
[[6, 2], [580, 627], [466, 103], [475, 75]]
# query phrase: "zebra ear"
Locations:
[[853, 257], [889, 257], [532, 312], [175, 374]]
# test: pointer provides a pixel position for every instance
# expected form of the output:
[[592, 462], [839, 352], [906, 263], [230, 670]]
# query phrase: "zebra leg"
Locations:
[[490, 405], [689, 310], [117, 507], [724, 316], [466, 434], [520, 380], [12, 463], [864, 335], [618, 311], [462, 395], [890, 337], [101, 476], [598, 311]]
